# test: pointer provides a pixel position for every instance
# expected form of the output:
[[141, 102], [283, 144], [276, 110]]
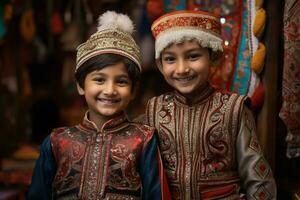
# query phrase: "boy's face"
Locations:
[[107, 91], [186, 67]]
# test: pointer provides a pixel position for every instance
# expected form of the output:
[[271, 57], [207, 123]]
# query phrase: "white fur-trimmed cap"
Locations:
[[187, 25]]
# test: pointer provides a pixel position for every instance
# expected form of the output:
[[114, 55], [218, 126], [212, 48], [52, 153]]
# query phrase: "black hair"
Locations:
[[103, 60]]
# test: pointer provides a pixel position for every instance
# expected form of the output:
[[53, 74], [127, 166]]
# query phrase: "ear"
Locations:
[[216, 58], [79, 89], [133, 93], [159, 65]]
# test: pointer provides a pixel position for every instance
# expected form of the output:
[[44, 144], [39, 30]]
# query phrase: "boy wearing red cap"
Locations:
[[207, 138]]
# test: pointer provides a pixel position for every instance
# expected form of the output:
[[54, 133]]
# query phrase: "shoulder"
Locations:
[[62, 132], [61, 138], [143, 131], [57, 132], [46, 145], [155, 104], [143, 128], [157, 100], [232, 98]]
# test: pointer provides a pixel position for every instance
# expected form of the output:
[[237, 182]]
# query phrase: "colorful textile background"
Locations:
[[235, 73], [290, 111]]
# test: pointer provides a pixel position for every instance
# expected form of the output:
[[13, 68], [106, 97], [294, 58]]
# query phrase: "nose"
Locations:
[[182, 67], [110, 88]]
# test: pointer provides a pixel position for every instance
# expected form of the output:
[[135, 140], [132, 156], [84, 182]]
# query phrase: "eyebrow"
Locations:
[[124, 75], [95, 73], [167, 52], [194, 49]]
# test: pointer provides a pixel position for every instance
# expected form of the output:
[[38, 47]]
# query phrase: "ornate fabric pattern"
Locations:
[[262, 169], [235, 73], [209, 146], [206, 22], [176, 26], [109, 41], [262, 193], [171, 5], [254, 170], [99, 164], [254, 145], [290, 110], [197, 143]]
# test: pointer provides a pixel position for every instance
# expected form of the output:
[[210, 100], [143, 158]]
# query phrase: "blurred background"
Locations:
[[38, 41]]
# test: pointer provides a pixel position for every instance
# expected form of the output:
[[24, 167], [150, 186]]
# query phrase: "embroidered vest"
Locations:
[[197, 143], [98, 165]]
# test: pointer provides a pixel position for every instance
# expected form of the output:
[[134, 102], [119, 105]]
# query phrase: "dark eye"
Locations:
[[123, 82], [193, 56], [169, 59], [99, 80]]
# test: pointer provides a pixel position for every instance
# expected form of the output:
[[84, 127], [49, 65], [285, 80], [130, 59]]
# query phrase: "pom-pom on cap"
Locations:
[[177, 26], [114, 35], [113, 20]]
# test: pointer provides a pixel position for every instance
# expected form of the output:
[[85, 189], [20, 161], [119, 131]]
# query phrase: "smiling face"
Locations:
[[107, 92], [186, 67]]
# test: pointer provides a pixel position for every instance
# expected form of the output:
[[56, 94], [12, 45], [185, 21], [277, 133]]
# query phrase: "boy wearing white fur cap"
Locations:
[[207, 137], [105, 156]]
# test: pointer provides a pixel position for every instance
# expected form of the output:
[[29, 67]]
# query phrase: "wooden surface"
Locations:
[[267, 118]]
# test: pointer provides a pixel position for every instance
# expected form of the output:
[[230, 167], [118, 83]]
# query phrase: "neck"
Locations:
[[197, 96], [98, 121], [197, 93]]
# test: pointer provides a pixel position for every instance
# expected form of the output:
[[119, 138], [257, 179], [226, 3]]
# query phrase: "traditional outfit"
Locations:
[[208, 144], [118, 161], [82, 162]]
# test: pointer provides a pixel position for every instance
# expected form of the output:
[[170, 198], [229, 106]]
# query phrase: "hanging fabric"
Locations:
[[72, 36], [27, 25], [290, 110]]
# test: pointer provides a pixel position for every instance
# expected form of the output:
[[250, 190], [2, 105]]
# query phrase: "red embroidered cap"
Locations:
[[177, 26]]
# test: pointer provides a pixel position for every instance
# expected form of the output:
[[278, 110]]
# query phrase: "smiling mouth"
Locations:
[[185, 79], [108, 101]]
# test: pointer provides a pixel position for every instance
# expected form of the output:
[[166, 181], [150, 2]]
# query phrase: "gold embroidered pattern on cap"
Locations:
[[113, 36]]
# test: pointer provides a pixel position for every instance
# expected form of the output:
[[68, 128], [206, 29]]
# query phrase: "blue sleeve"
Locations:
[[43, 174], [149, 171]]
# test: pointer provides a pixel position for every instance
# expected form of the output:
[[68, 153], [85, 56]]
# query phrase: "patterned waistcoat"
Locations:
[[197, 142], [99, 164]]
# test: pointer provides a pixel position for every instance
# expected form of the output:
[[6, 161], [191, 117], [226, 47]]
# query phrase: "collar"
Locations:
[[110, 125], [200, 98]]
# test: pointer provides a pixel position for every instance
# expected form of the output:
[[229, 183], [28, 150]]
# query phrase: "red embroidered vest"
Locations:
[[101, 164], [197, 143]]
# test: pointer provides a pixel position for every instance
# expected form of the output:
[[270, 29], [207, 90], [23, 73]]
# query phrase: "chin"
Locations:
[[109, 114], [185, 91]]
